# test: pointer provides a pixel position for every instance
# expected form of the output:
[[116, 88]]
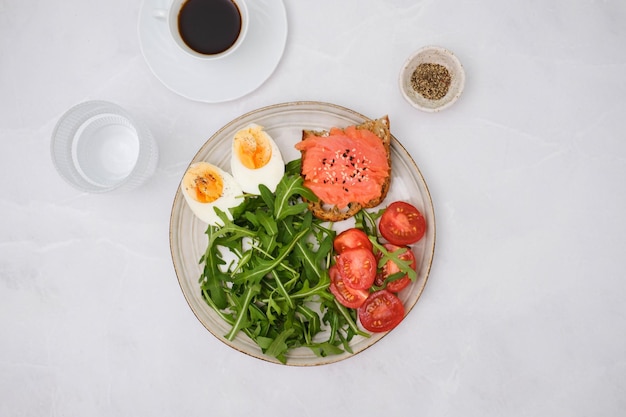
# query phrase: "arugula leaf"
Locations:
[[319, 289], [265, 266], [212, 276], [308, 256], [326, 349], [242, 319], [366, 221], [349, 319], [282, 290], [286, 188], [268, 223], [278, 348], [311, 323], [293, 167], [267, 196], [403, 264]]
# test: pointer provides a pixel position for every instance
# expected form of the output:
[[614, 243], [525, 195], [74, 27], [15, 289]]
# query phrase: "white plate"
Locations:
[[284, 122], [214, 81]]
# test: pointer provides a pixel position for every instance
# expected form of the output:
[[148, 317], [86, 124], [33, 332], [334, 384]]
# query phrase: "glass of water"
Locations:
[[97, 146]]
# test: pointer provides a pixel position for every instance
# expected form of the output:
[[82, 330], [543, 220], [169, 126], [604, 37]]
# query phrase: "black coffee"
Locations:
[[209, 26]]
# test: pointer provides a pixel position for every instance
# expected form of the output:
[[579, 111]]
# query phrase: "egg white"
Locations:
[[231, 197], [269, 174]]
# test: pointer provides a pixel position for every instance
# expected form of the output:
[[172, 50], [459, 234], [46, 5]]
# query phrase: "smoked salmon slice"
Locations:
[[346, 166]]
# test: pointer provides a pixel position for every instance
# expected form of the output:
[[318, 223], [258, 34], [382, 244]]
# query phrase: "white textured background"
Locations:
[[524, 311]]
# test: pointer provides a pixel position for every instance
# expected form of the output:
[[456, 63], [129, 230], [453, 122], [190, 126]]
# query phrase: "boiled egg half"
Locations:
[[256, 160], [205, 187]]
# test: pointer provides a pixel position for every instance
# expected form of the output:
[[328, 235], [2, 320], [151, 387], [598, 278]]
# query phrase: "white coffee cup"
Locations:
[[206, 29]]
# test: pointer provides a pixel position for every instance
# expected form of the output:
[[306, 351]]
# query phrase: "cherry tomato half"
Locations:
[[391, 268], [345, 295], [402, 224], [382, 311], [351, 239], [357, 268]]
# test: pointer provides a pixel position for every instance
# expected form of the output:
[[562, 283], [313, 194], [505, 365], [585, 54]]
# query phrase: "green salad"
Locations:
[[275, 287]]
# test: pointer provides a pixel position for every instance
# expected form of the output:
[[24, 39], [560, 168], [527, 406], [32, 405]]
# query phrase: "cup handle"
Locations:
[[159, 14]]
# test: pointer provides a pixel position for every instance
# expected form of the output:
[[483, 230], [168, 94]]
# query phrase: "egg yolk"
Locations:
[[253, 148], [203, 183]]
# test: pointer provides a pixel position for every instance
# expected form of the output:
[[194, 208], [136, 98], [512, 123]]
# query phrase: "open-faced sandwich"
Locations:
[[348, 168]]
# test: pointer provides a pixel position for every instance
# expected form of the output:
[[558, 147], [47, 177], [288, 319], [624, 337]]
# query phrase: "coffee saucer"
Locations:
[[214, 81]]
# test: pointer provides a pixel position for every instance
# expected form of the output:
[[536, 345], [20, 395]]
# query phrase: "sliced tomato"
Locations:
[[382, 311], [357, 268], [402, 224], [390, 268], [346, 296], [352, 239]]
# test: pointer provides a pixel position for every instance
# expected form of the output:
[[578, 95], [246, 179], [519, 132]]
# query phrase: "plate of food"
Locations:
[[302, 233]]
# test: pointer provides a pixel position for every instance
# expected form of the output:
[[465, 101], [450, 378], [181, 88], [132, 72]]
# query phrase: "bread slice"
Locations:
[[321, 210]]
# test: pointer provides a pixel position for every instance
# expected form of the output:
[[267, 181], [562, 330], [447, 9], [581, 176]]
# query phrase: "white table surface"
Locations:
[[524, 313]]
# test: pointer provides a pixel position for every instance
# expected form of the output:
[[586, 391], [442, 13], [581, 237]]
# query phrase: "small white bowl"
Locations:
[[433, 55]]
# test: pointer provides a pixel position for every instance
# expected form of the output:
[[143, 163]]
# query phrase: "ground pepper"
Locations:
[[431, 80]]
